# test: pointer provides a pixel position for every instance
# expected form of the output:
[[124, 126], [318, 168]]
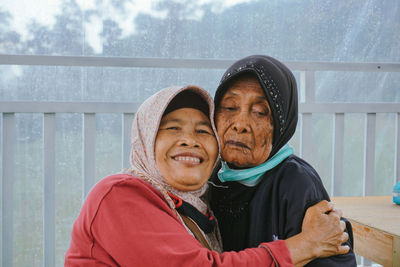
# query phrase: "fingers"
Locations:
[[336, 211], [334, 218], [344, 237], [343, 249], [323, 206], [342, 225], [323, 225]]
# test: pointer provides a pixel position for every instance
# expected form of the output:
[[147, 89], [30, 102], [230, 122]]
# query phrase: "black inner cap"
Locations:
[[188, 99]]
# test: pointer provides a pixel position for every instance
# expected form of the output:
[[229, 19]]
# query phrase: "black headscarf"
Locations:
[[279, 87]]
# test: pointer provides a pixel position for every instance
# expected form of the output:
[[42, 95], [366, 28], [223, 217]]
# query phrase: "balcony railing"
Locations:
[[88, 110]]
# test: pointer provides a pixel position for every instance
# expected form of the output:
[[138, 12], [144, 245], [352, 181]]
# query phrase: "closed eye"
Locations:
[[262, 113], [229, 108], [172, 128], [205, 131]]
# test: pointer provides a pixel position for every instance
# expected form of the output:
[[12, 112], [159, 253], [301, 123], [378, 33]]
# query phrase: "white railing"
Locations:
[[127, 110]]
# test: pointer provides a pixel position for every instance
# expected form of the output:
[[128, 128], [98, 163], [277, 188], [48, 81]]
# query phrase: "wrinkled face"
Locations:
[[244, 124], [185, 149]]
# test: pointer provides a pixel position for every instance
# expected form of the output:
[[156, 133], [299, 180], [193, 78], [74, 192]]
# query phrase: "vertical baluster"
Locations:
[[307, 82], [306, 136], [369, 154], [7, 189], [127, 119], [338, 153], [49, 209], [89, 142]]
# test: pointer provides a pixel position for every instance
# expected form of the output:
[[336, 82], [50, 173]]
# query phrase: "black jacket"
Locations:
[[274, 209]]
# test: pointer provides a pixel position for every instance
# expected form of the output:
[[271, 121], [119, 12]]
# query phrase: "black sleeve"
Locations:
[[301, 187]]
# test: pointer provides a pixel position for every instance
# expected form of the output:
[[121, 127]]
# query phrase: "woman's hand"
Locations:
[[322, 235], [322, 226]]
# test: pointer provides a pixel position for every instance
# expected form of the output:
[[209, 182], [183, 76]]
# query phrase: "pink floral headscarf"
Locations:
[[144, 132]]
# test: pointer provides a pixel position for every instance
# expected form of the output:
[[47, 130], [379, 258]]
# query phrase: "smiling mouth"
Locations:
[[188, 159], [236, 144]]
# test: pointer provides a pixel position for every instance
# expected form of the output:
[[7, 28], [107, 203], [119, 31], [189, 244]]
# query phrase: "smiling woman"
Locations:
[[185, 148]]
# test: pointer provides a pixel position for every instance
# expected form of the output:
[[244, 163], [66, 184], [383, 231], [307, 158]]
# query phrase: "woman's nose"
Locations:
[[188, 139], [240, 123]]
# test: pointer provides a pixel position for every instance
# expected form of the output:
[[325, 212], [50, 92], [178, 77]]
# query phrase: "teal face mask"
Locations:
[[252, 176]]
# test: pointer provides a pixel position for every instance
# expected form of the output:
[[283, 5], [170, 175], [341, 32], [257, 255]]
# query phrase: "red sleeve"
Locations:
[[279, 253], [131, 225]]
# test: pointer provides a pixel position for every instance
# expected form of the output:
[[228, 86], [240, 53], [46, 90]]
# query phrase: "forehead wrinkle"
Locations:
[[231, 93], [180, 121], [163, 121], [206, 123], [262, 98]]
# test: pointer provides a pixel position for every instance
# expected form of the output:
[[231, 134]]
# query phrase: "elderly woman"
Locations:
[[154, 214], [262, 190]]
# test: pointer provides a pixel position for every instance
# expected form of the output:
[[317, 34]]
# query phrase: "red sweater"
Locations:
[[126, 222]]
